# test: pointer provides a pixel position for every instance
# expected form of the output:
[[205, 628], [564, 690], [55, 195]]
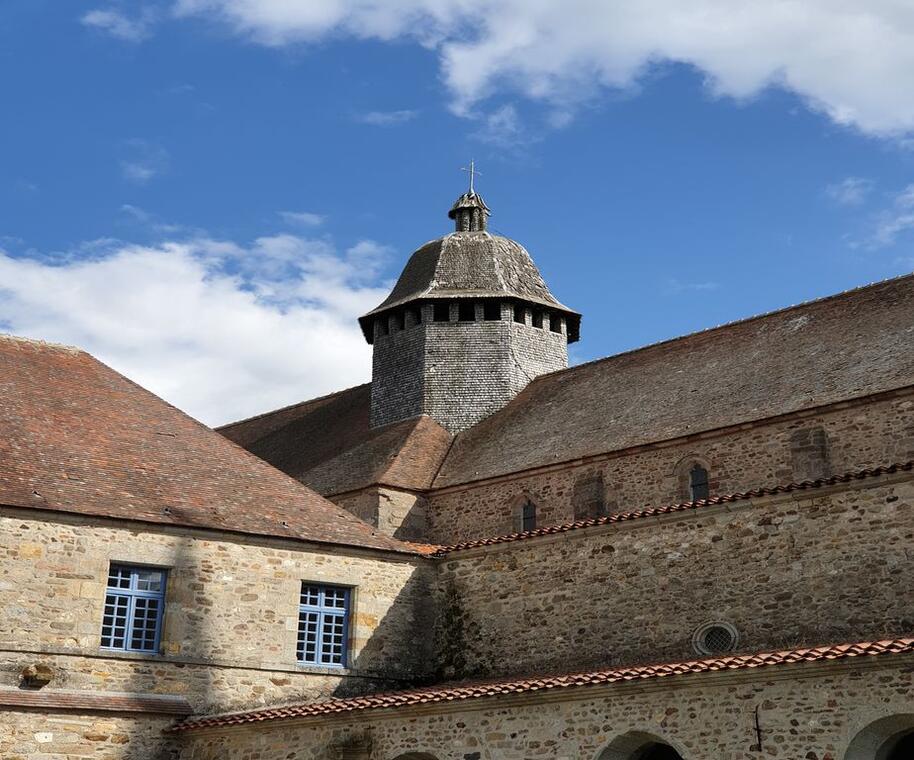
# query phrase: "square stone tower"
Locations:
[[469, 323]]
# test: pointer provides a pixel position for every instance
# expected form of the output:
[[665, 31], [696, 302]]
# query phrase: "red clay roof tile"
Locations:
[[76, 436], [457, 692], [328, 445], [844, 346]]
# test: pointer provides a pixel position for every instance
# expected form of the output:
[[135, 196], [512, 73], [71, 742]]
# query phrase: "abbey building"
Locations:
[[699, 549]]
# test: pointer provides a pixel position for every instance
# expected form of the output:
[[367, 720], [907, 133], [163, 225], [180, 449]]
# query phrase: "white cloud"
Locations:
[[850, 60], [147, 219], [503, 128], [219, 329], [387, 118], [118, 25], [851, 191], [895, 220], [142, 160], [677, 286], [303, 218]]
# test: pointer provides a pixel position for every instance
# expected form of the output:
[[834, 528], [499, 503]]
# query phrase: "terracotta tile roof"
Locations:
[[327, 444], [59, 699], [873, 472], [459, 692], [845, 346], [76, 436]]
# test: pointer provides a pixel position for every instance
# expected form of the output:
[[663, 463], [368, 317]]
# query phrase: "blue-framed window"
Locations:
[[134, 605], [323, 625]]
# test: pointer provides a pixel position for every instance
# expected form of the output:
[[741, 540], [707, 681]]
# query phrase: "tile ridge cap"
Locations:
[[287, 407]]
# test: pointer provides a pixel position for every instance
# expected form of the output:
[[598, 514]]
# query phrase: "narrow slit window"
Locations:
[[400, 320], [134, 606], [538, 319], [417, 316], [698, 483], [323, 625], [528, 516], [491, 311], [441, 311], [383, 325], [466, 311], [555, 323]]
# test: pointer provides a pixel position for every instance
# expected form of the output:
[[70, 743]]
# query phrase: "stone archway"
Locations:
[[639, 745], [890, 738]]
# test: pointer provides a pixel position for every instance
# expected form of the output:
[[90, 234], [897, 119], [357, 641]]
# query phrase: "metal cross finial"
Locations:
[[473, 173]]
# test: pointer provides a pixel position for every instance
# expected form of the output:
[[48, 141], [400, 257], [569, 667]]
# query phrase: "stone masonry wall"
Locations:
[[802, 714], [764, 454], [65, 736], [395, 512], [827, 565], [398, 361], [231, 615], [459, 372]]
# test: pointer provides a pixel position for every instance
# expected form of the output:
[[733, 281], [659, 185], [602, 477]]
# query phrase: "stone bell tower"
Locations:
[[469, 323]]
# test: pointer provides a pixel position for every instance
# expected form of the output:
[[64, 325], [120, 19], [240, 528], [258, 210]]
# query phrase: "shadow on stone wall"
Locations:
[[400, 651], [184, 626]]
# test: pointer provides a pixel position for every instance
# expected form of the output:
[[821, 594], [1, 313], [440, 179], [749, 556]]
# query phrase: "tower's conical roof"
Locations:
[[471, 264]]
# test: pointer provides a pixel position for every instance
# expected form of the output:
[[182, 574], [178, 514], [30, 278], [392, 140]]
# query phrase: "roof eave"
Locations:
[[573, 317]]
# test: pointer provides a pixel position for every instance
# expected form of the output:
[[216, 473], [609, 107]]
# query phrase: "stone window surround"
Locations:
[[519, 510], [682, 473], [324, 609], [132, 593], [698, 637]]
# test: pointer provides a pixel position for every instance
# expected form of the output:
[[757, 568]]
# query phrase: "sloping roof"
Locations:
[[852, 344], [464, 264], [482, 689], [327, 444], [76, 436], [639, 514]]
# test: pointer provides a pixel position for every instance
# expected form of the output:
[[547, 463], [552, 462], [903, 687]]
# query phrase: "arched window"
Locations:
[[698, 483], [528, 516]]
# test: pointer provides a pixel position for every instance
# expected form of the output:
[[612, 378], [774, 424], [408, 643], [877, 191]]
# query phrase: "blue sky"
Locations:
[[206, 193]]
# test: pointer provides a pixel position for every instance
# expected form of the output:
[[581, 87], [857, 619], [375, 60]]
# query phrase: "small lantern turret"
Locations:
[[470, 212]]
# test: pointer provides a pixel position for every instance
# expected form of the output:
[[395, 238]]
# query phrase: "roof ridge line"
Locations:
[[515, 685], [732, 323], [398, 455], [43, 343], [616, 517], [288, 407]]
